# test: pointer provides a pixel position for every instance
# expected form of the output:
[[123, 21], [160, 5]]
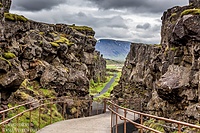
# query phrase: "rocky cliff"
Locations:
[[164, 79], [55, 57]]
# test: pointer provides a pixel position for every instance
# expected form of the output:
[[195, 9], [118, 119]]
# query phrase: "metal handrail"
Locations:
[[134, 123], [179, 123], [41, 103]]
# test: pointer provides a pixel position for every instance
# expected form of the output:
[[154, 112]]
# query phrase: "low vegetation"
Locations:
[[61, 40], [190, 11], [23, 123], [15, 17], [81, 28], [112, 69], [48, 113]]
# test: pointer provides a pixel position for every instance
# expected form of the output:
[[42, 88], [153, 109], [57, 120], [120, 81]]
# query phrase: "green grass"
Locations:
[[107, 94], [22, 123], [97, 87]]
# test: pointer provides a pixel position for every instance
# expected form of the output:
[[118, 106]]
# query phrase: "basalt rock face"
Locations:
[[5, 4], [165, 78], [59, 57]]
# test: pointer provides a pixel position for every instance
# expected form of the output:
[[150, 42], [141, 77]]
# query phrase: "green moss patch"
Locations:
[[1, 58], [1, 5], [81, 28], [157, 125], [9, 55], [22, 124], [54, 44], [61, 40], [15, 17], [47, 93], [190, 11]]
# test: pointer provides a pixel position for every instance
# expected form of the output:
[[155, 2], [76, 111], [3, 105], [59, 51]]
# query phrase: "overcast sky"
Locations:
[[129, 20]]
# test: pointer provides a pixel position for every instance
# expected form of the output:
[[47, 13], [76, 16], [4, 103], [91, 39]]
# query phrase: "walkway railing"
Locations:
[[118, 115], [123, 115], [8, 121]]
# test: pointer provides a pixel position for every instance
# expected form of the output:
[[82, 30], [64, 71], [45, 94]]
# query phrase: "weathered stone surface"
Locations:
[[6, 5], [166, 77], [59, 57]]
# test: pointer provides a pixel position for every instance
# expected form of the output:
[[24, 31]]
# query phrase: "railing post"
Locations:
[[104, 109], [64, 109], [39, 113], [179, 128], [125, 121], [112, 120], [141, 122], [77, 113], [17, 120], [134, 116], [2, 127], [90, 110], [97, 108], [51, 103], [30, 117], [116, 125]]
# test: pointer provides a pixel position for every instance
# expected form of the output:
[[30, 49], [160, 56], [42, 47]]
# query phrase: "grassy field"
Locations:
[[112, 68]]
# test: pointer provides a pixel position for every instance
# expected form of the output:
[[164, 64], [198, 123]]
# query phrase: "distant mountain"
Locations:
[[113, 49]]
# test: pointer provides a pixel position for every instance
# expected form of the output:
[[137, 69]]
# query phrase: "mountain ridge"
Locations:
[[113, 49]]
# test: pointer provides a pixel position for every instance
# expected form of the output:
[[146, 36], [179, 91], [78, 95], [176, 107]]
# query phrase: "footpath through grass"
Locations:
[[112, 69]]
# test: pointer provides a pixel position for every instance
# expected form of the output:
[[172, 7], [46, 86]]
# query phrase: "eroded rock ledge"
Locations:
[[49, 56], [165, 77]]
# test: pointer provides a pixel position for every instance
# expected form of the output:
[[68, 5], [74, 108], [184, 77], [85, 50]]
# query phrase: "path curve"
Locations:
[[105, 89], [94, 124]]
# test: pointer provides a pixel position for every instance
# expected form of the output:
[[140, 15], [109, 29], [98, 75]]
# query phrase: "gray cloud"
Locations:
[[144, 26], [153, 6], [90, 20], [132, 20], [35, 5]]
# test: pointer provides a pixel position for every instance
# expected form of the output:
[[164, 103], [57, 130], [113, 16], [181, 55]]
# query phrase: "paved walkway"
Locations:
[[105, 89], [93, 124]]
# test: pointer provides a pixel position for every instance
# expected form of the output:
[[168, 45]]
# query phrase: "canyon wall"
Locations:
[[36, 55], [164, 79]]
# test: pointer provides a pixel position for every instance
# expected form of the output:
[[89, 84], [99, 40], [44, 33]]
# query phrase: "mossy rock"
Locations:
[[15, 17], [61, 40], [9, 55], [81, 28], [1, 5], [54, 44], [90, 37], [22, 96], [47, 93], [73, 110], [190, 11], [1, 58], [41, 33]]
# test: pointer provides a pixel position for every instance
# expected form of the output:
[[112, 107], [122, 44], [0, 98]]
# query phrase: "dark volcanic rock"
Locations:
[[166, 77], [60, 57]]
